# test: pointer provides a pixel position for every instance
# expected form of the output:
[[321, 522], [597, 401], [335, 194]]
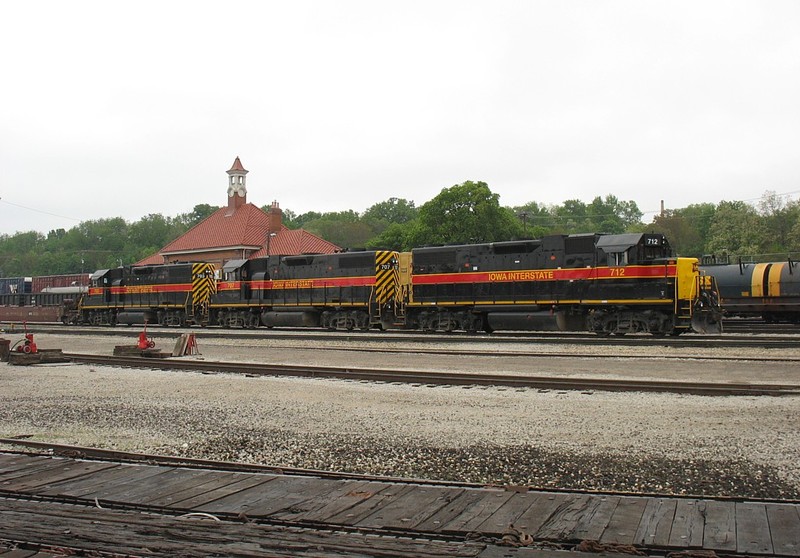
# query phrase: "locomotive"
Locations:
[[169, 295], [770, 290], [607, 284]]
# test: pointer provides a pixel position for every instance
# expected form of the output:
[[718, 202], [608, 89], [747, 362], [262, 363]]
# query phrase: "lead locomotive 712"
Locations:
[[608, 284]]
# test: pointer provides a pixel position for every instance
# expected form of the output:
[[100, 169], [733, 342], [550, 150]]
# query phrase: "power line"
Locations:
[[39, 210]]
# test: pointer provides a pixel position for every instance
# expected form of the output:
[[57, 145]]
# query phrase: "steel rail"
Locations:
[[539, 337], [440, 378]]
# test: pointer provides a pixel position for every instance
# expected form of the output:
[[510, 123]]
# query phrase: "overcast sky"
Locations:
[[130, 108]]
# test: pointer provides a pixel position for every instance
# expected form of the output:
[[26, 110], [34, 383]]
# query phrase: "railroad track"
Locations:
[[93, 501], [747, 340], [117, 456], [442, 378]]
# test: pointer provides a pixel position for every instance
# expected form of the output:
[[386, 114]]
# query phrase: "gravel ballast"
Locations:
[[655, 443]]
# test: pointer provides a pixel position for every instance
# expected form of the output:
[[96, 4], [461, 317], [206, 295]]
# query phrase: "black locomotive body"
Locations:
[[170, 294], [351, 290], [604, 283]]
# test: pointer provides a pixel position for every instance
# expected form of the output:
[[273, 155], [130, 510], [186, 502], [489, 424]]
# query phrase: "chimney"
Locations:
[[275, 218]]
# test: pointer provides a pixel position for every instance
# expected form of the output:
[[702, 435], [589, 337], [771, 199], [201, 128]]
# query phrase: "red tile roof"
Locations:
[[245, 227], [289, 242], [155, 259]]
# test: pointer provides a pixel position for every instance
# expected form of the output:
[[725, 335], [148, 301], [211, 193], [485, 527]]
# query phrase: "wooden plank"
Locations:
[[477, 512], [214, 481], [245, 482], [592, 525], [65, 471], [752, 529], [784, 527], [688, 524], [12, 461], [169, 483], [316, 500], [131, 533], [656, 523], [356, 513], [507, 514], [300, 497], [720, 531], [624, 522], [540, 511], [451, 510], [274, 488], [23, 469], [278, 494], [411, 508], [119, 490], [564, 519], [352, 494], [79, 487]]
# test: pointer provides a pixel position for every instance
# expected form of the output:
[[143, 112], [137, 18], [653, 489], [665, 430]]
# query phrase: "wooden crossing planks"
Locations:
[[720, 529], [624, 522], [752, 529], [688, 524], [724, 526], [410, 508], [784, 526], [64, 471]]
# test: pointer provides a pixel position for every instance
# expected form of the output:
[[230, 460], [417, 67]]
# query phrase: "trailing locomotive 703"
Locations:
[[350, 290]]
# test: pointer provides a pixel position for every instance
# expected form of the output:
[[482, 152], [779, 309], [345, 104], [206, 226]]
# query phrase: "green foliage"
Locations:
[[464, 213], [736, 229], [200, 213]]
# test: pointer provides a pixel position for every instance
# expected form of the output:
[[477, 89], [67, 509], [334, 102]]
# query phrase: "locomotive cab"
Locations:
[[617, 250]]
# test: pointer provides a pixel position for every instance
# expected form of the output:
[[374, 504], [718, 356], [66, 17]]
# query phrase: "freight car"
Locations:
[[768, 290], [169, 294], [55, 304]]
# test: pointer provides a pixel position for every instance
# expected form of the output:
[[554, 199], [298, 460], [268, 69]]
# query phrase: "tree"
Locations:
[[200, 213], [536, 220], [736, 229], [393, 210], [780, 219], [343, 228], [394, 237], [464, 213]]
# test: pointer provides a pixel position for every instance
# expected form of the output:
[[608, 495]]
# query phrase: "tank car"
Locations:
[[769, 290], [349, 290], [608, 284], [169, 294]]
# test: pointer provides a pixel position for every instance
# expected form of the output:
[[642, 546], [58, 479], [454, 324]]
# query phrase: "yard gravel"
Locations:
[[659, 443]]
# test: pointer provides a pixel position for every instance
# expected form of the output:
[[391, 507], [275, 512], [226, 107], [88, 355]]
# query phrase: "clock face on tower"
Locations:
[[241, 191], [231, 191]]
